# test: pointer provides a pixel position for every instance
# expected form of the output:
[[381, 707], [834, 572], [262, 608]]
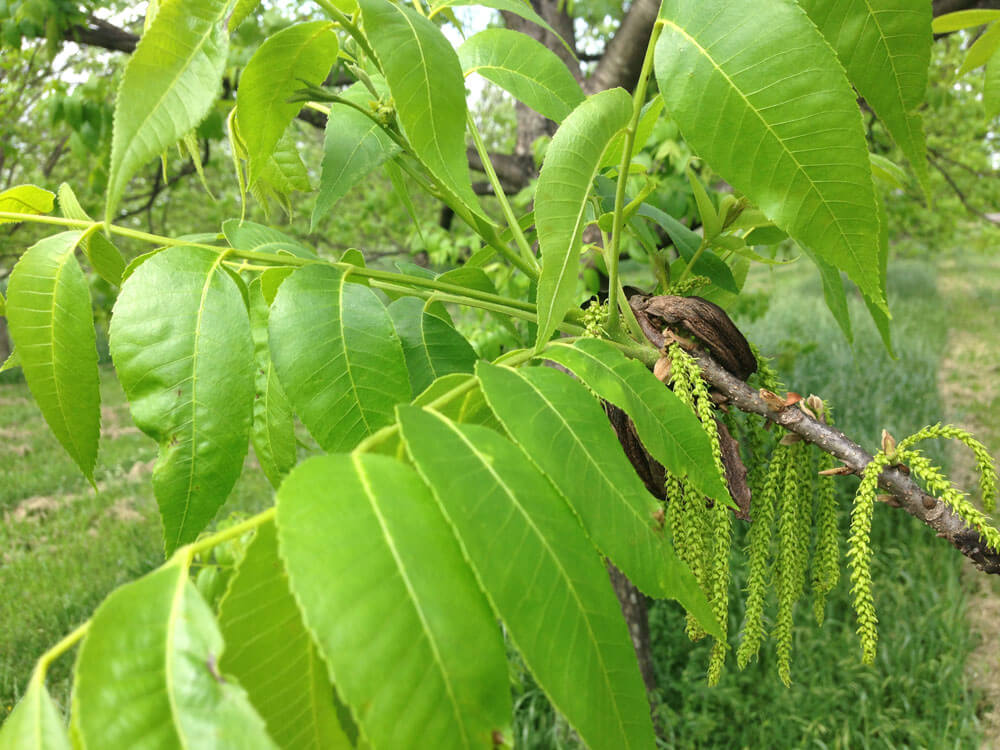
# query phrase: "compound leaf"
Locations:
[[181, 343], [761, 97], [147, 675], [48, 310], [385, 590], [572, 161], [337, 356], [539, 570]]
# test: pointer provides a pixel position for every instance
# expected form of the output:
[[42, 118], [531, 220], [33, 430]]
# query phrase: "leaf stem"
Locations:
[[638, 99], [694, 259], [42, 665], [214, 540], [508, 212], [349, 26]]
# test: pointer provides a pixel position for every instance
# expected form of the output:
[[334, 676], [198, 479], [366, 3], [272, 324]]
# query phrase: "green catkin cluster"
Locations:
[[711, 522], [859, 541], [826, 557], [593, 318], [793, 552], [759, 553], [688, 286]]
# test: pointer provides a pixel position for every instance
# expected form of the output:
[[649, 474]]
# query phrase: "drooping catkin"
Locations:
[[793, 528], [826, 557]]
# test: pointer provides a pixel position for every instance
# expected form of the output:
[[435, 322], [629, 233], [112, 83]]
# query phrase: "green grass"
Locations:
[[64, 547]]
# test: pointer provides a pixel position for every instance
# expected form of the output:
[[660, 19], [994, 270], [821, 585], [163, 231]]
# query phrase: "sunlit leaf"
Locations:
[[271, 654], [761, 97], [337, 356], [963, 19], [148, 677], [48, 311], [668, 429], [35, 723], [566, 433], [571, 163], [106, 259], [26, 199], [171, 82], [292, 58], [539, 570], [185, 360], [526, 69], [409, 639]]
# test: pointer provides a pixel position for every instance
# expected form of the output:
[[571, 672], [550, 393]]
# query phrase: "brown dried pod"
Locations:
[[662, 369], [773, 400]]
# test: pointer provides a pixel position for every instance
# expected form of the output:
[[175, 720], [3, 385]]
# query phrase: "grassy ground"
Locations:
[[63, 547]]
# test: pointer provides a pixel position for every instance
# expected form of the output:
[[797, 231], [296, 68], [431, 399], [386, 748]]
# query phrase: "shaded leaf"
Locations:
[[517, 7], [49, 314], [294, 57], [272, 655], [783, 126], [667, 428], [246, 235], [185, 360], [273, 431], [412, 610], [337, 356], [106, 259], [147, 674], [526, 69], [171, 82], [571, 163], [991, 88], [540, 572], [565, 433], [428, 90], [982, 49]]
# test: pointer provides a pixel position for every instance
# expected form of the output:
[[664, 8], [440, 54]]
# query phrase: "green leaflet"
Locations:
[[241, 10], [409, 639], [185, 360], [540, 572], [171, 82], [982, 49], [48, 311], [352, 147], [525, 68], [880, 316], [26, 199], [991, 88], [761, 98], [11, 362], [572, 161], [272, 655], [106, 259], [431, 346], [566, 434], [834, 294], [246, 235], [428, 90], [886, 49], [295, 57], [147, 676], [273, 431], [337, 356], [517, 7], [35, 723], [963, 19], [668, 429]]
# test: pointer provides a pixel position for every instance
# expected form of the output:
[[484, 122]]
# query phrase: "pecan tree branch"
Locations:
[[907, 492]]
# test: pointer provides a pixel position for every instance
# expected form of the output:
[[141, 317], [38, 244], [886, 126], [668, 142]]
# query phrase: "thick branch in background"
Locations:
[[98, 33], [622, 60]]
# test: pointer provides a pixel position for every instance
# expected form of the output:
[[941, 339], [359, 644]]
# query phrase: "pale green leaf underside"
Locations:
[[540, 572], [337, 356], [572, 161], [982, 49], [963, 19], [147, 675], [761, 97], [273, 431], [105, 258], [564, 431], [292, 58], [26, 199], [409, 639], [48, 310], [886, 49], [517, 7], [668, 429], [428, 90], [180, 340], [272, 655], [170, 83], [527, 70], [35, 723]]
